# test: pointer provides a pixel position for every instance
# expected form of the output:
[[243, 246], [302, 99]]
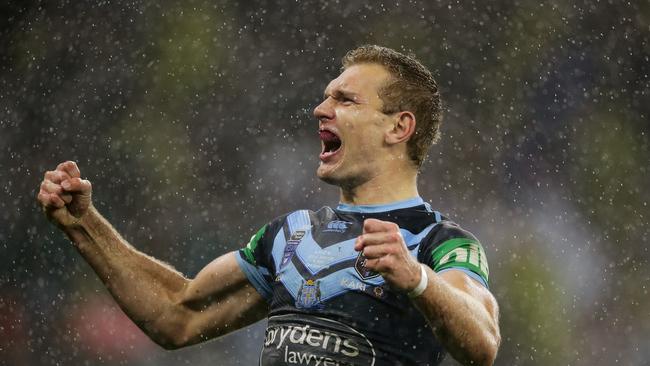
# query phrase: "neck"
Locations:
[[389, 186]]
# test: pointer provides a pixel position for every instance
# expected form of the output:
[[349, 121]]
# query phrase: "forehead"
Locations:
[[362, 79]]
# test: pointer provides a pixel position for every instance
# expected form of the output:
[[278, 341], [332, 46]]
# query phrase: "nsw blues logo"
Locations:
[[362, 270], [290, 248], [309, 295]]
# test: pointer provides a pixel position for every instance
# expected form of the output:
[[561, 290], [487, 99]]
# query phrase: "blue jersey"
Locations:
[[327, 308]]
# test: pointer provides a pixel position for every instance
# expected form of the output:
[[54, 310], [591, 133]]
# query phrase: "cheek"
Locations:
[[364, 130], [368, 142]]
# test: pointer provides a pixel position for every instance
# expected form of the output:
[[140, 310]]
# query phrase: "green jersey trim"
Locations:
[[252, 245], [461, 252]]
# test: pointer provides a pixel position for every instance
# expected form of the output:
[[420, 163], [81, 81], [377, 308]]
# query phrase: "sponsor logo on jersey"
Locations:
[[353, 284], [309, 345], [309, 295], [461, 252], [337, 226], [362, 270], [290, 248], [471, 254]]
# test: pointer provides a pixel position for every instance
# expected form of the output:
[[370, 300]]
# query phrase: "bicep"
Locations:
[[221, 299], [460, 280], [220, 277]]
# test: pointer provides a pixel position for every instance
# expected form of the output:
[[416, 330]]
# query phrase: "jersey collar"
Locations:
[[412, 202]]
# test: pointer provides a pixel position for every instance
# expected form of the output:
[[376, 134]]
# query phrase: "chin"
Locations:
[[327, 176], [339, 179]]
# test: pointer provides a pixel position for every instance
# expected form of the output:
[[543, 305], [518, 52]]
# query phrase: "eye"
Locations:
[[347, 101]]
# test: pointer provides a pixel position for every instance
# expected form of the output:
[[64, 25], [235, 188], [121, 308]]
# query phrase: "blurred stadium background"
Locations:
[[193, 121]]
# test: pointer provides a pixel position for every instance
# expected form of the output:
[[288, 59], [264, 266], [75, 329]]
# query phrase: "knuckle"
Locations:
[[45, 198], [388, 261], [46, 187]]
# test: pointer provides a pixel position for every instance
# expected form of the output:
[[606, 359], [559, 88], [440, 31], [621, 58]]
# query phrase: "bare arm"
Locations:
[[464, 316], [462, 313], [172, 310]]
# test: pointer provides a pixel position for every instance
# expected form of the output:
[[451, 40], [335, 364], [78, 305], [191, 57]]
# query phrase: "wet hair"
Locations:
[[411, 88]]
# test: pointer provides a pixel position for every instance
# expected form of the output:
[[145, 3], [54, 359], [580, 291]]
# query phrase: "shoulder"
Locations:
[[446, 230], [260, 246], [298, 220]]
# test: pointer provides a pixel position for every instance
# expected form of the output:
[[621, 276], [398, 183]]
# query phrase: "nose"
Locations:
[[325, 110]]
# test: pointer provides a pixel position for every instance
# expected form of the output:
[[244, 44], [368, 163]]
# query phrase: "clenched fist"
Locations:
[[385, 251], [64, 196]]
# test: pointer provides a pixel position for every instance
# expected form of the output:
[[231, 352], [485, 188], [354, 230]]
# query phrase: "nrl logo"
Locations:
[[362, 270]]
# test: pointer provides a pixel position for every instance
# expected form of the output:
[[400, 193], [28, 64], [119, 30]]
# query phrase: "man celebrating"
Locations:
[[382, 279]]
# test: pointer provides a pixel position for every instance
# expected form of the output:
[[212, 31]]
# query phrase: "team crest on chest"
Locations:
[[309, 295], [362, 270], [290, 248]]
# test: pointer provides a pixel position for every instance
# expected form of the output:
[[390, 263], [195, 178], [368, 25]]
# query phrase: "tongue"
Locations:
[[328, 136]]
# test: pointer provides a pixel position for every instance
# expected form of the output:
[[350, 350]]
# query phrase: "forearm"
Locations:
[[146, 289], [461, 322]]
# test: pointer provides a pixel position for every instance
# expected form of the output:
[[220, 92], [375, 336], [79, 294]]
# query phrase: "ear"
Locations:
[[403, 128]]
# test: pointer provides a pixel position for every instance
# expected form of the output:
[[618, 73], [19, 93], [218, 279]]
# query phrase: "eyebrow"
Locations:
[[337, 93]]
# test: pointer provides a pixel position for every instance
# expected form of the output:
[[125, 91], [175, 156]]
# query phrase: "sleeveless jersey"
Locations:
[[327, 308]]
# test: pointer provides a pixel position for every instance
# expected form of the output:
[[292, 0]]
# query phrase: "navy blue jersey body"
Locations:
[[327, 308]]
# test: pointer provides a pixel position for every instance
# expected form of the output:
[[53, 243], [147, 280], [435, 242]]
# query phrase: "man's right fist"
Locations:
[[64, 196]]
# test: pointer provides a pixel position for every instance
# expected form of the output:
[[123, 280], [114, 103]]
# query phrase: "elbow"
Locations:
[[167, 345], [170, 345], [490, 356], [489, 351], [171, 340], [169, 332], [491, 341], [483, 352]]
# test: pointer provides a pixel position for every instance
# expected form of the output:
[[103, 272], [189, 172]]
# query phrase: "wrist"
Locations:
[[77, 227], [422, 284], [92, 232]]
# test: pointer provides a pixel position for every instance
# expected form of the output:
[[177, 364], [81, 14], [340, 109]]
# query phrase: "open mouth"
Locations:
[[331, 143]]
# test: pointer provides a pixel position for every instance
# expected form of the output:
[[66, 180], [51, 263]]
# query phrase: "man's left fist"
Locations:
[[383, 246]]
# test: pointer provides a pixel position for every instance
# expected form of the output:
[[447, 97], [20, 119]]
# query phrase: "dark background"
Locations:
[[193, 121]]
